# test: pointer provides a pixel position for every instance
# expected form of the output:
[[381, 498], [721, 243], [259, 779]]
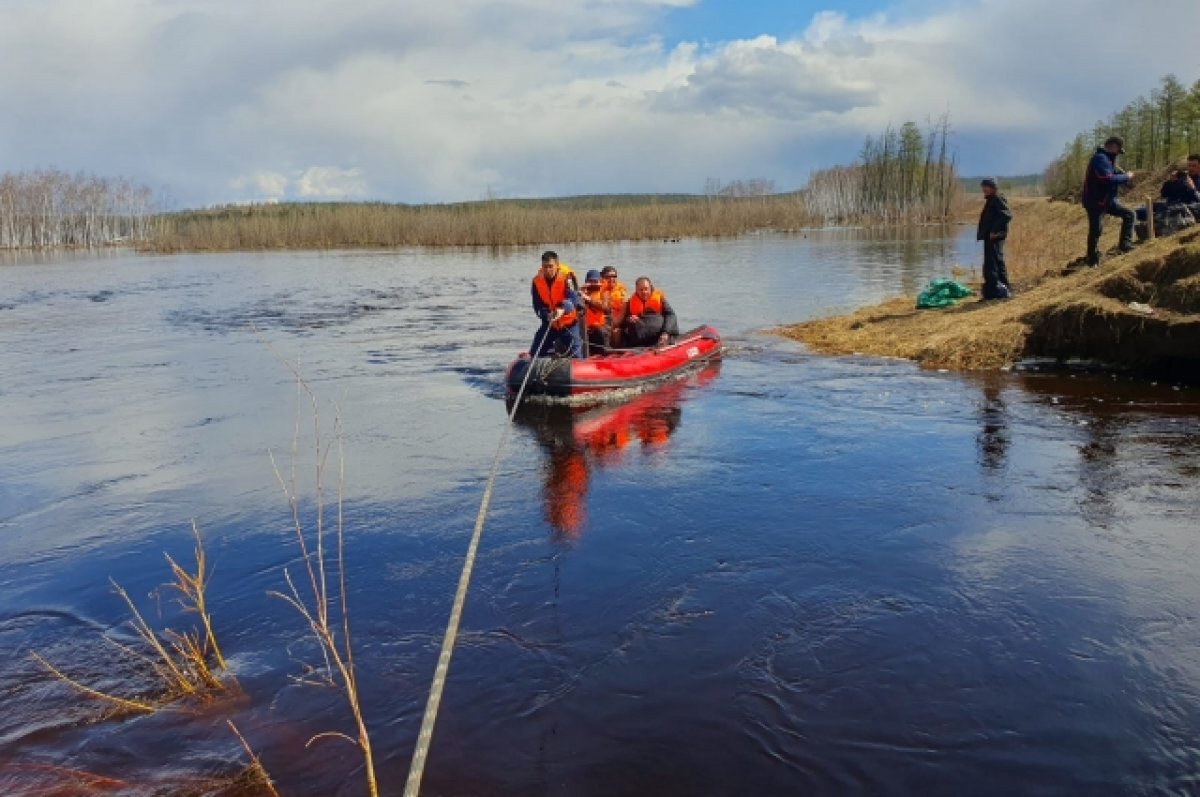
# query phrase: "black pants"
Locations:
[[995, 273], [1096, 226], [599, 339]]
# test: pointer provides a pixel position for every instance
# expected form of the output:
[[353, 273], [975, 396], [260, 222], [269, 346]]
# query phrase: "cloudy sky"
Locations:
[[214, 101]]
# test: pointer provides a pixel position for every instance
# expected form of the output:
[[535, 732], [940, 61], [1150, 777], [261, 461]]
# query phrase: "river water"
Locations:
[[786, 574]]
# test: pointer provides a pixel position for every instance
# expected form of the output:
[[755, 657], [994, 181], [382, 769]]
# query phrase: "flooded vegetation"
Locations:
[[787, 573], [48, 209], [485, 223]]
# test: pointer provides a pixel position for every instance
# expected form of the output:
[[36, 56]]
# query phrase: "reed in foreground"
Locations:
[[184, 665], [325, 610]]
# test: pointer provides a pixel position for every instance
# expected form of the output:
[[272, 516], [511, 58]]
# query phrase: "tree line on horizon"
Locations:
[[50, 208], [1159, 130], [900, 175]]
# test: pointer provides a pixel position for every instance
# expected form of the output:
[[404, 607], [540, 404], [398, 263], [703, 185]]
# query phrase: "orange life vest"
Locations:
[[612, 300], [616, 296], [554, 295], [653, 305], [595, 316]]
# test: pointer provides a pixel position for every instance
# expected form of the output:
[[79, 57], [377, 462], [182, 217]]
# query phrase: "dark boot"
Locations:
[[1127, 217]]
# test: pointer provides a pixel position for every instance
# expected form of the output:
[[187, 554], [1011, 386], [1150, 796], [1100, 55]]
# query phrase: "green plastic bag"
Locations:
[[942, 293]]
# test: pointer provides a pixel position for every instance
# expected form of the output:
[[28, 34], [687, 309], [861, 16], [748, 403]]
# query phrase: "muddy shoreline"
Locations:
[[1138, 311]]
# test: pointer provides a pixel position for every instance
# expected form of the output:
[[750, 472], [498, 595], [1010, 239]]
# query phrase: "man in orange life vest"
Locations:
[[597, 312], [649, 320], [556, 304], [613, 293]]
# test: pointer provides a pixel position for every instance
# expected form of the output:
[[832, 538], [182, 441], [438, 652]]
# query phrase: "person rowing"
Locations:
[[556, 303]]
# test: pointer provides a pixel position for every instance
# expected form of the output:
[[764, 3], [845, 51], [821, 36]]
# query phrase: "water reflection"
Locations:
[[1125, 427], [575, 440], [994, 437]]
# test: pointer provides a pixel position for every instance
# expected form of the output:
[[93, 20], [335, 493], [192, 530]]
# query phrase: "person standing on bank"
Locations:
[[556, 304], [1100, 186], [992, 230]]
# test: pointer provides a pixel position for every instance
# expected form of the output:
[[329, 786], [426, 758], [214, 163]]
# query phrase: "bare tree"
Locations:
[[49, 208]]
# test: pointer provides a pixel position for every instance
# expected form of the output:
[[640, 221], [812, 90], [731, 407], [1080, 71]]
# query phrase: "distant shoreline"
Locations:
[[488, 224], [515, 222]]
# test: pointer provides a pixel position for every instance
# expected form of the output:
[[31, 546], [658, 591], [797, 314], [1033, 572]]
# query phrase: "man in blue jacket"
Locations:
[[556, 302], [1100, 197]]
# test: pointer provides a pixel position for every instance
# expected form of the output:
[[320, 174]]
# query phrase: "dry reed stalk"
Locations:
[[338, 653], [67, 777], [183, 667], [191, 588], [257, 770], [135, 706]]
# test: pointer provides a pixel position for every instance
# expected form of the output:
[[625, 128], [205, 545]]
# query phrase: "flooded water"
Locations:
[[783, 575]]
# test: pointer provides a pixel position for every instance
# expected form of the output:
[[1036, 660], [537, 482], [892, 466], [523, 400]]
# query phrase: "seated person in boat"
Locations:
[[649, 320], [556, 303], [614, 294], [597, 313]]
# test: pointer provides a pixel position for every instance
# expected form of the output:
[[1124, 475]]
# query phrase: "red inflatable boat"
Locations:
[[565, 376]]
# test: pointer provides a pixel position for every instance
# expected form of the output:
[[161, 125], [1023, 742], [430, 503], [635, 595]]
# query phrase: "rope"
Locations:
[[417, 769]]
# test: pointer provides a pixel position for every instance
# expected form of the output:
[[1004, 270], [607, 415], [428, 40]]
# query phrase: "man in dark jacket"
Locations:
[[992, 230], [1100, 197], [649, 319]]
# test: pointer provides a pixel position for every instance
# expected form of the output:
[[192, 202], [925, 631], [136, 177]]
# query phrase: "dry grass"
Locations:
[[492, 223], [255, 774], [1060, 310], [326, 612], [184, 665]]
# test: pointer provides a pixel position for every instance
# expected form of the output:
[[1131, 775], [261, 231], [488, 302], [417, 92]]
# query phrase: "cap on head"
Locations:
[[592, 276], [608, 271], [988, 181], [1115, 141]]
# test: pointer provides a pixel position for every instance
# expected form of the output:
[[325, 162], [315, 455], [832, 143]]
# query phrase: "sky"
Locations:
[[215, 101]]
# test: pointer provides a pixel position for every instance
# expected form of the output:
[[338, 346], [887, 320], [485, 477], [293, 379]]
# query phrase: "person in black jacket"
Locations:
[[992, 230], [1180, 190]]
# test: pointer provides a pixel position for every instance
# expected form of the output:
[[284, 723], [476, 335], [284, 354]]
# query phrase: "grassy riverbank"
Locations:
[[1060, 310], [488, 223]]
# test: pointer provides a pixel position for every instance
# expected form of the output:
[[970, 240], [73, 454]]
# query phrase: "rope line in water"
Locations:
[[417, 769]]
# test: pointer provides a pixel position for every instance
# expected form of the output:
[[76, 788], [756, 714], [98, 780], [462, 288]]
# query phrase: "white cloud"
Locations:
[[786, 81], [330, 182], [410, 100], [261, 186]]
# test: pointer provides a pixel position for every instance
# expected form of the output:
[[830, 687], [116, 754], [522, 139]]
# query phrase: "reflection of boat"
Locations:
[[574, 440], [560, 376]]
